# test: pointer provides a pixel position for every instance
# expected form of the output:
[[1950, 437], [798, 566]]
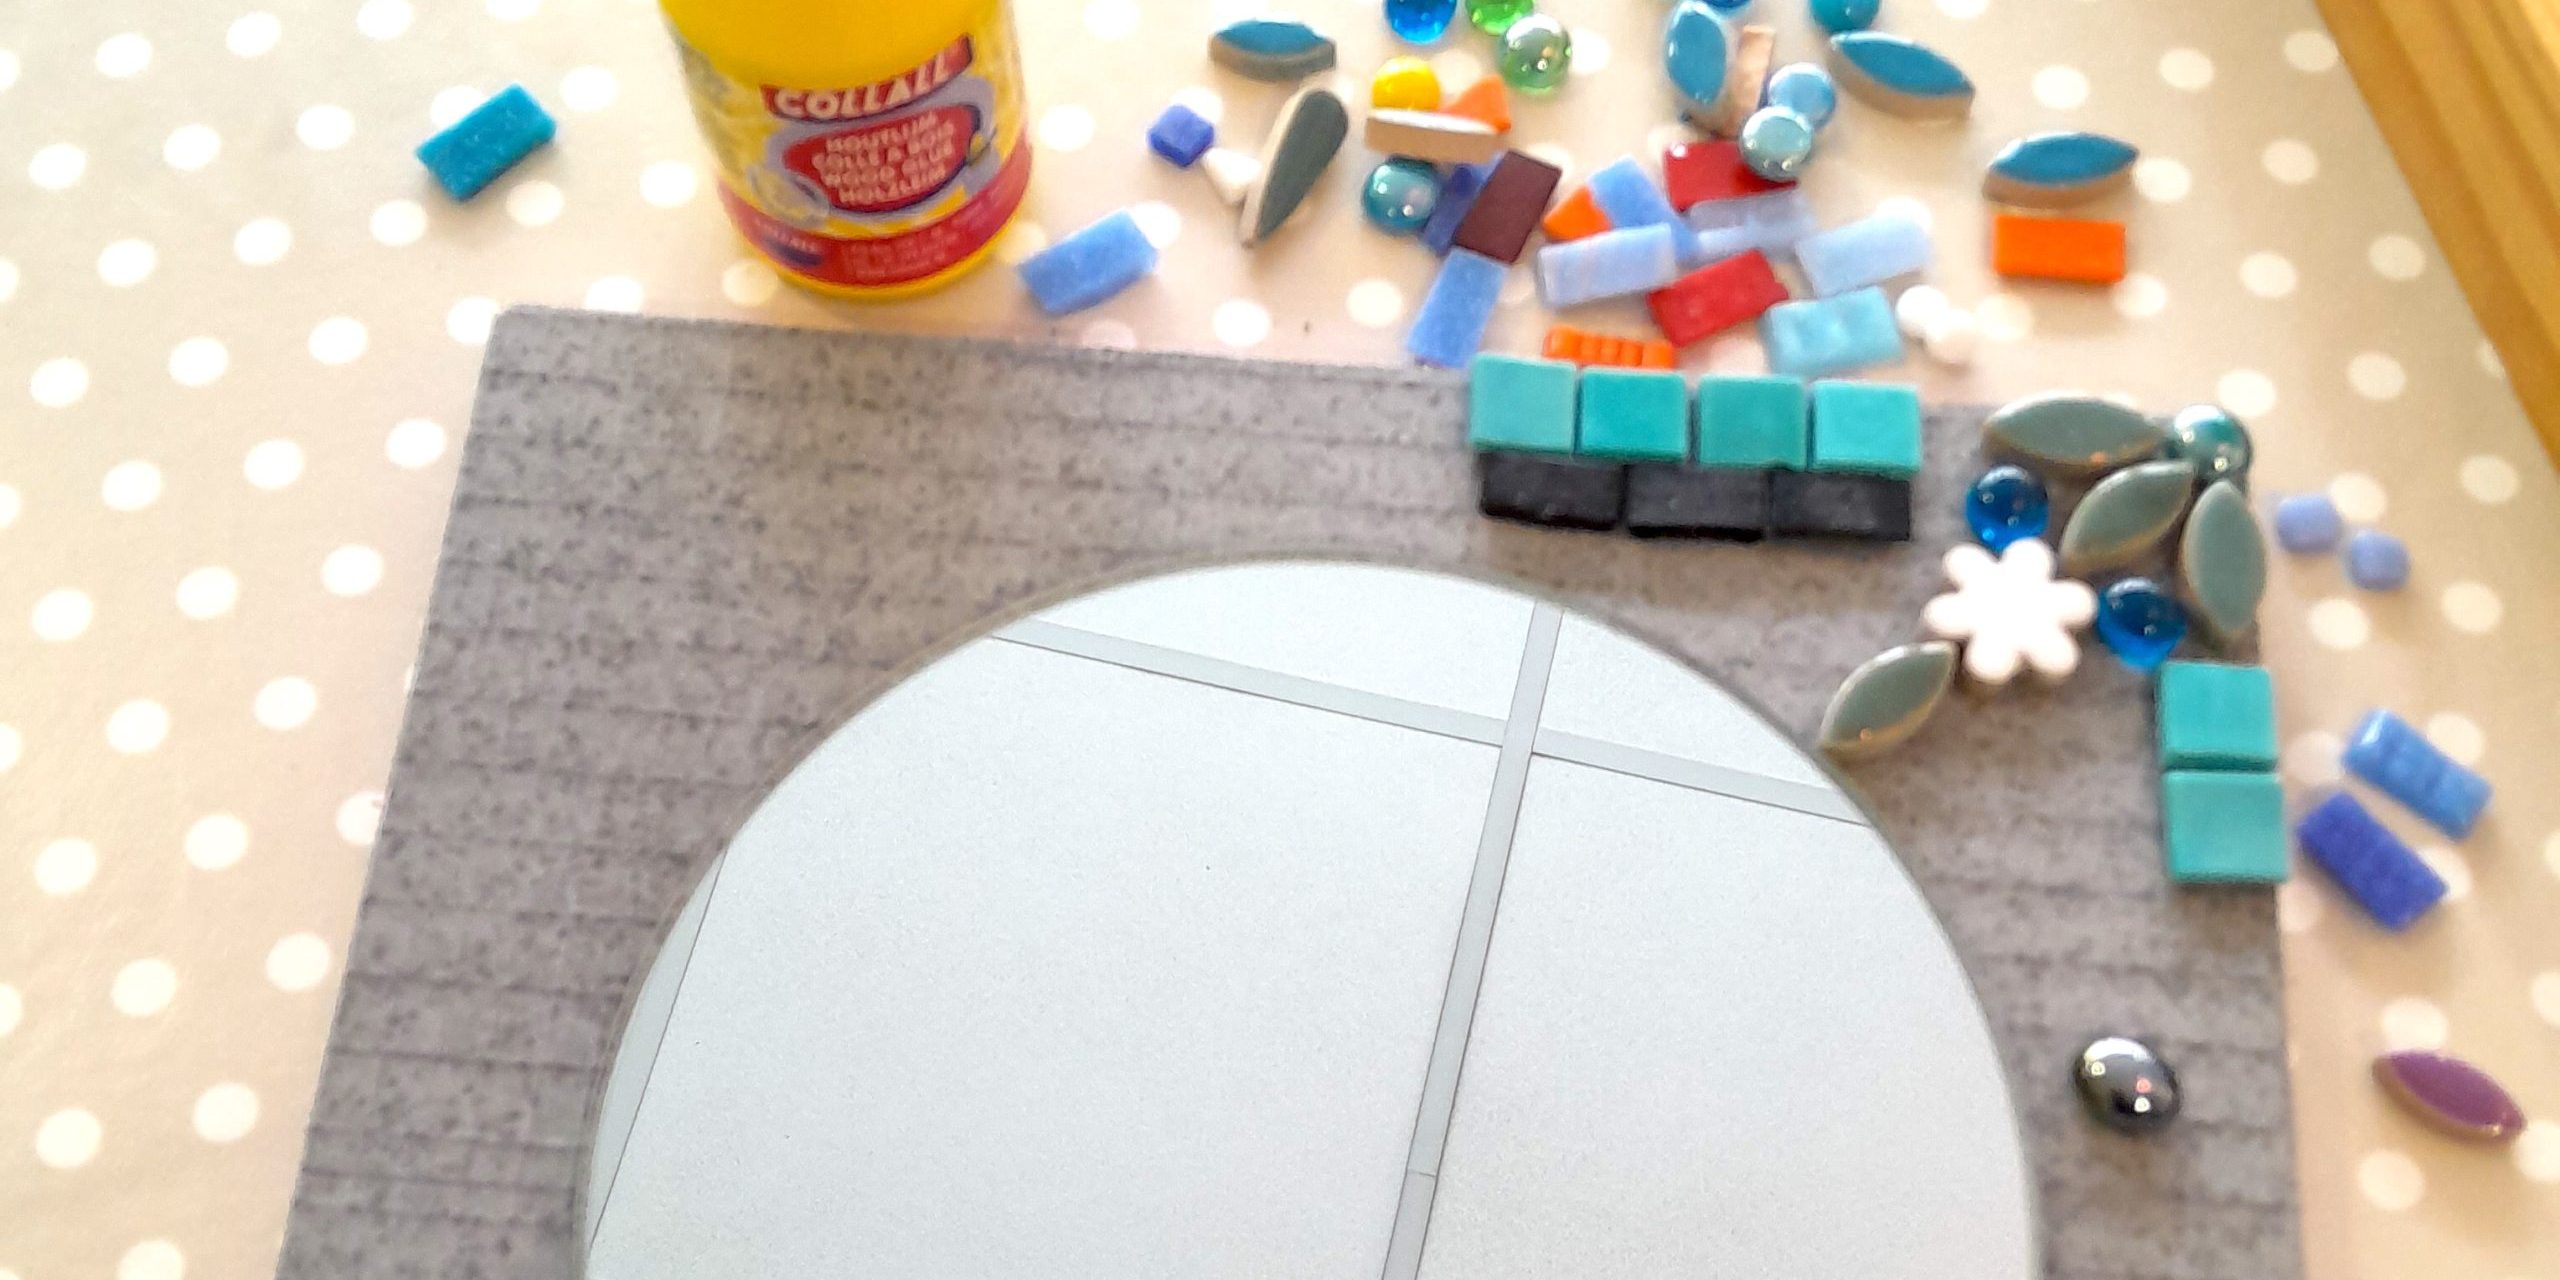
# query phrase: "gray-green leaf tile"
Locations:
[[1303, 141], [2073, 435], [2125, 515], [2223, 559], [1887, 699]]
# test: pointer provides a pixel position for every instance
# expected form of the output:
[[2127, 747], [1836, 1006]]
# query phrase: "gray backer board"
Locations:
[[681, 552]]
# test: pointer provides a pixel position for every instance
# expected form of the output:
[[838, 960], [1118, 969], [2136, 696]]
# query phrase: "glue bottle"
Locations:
[[871, 149]]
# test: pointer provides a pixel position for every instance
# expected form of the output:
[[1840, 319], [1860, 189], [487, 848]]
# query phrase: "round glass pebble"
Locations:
[[1805, 89], [2126, 1086], [1536, 54], [2005, 504], [1493, 17], [1837, 16], [2141, 622], [2209, 439], [2376, 561], [1777, 143], [1400, 196], [1420, 21], [2308, 524]]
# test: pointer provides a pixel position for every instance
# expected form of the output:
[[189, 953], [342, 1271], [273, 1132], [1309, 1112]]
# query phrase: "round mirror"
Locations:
[[1310, 920]]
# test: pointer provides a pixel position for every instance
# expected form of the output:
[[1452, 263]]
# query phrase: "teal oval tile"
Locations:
[[1274, 49], [1697, 51], [1887, 699], [2125, 515], [1901, 76], [2057, 170], [1303, 142], [2073, 435], [2223, 560]]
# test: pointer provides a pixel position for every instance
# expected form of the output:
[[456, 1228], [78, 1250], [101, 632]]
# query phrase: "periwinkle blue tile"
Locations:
[[2399, 761], [1457, 195], [1818, 337], [1090, 266], [1611, 264], [2381, 873], [1869, 251], [2377, 561], [2308, 524], [1448, 329]]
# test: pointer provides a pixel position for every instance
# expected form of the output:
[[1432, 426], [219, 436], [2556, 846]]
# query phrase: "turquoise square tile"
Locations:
[[1634, 414], [2214, 716], [1520, 403], [1867, 427], [1752, 422], [2223, 827]]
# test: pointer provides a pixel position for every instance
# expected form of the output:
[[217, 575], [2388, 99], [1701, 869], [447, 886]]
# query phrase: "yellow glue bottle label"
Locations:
[[877, 188]]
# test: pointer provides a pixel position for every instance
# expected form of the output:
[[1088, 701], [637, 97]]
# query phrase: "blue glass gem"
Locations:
[[1837, 16], [2308, 524], [2141, 622], [1697, 53], [2209, 439], [2007, 503], [2376, 561], [1420, 21], [1901, 76], [1400, 196], [1805, 89], [1730, 6], [1777, 143], [2057, 170]]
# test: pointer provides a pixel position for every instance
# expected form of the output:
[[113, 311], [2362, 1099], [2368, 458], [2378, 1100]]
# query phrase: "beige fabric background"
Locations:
[[241, 330]]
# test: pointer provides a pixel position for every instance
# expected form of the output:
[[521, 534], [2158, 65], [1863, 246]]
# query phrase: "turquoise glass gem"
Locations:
[[1697, 53], [2208, 438], [1805, 89], [1400, 196], [1900, 76], [1777, 143], [2141, 622], [1278, 50], [2056, 170], [1420, 21], [1494, 17], [1730, 6], [2007, 503], [1535, 54], [1837, 16]]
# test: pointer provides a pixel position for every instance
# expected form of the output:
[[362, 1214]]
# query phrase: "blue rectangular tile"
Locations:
[[2385, 751], [1448, 329], [2370, 863], [1868, 251]]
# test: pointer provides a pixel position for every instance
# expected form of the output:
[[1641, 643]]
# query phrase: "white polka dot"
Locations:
[[1240, 322], [614, 293], [2537, 1152], [589, 88], [513, 10], [2005, 317], [414, 443], [1907, 207], [2376, 376], [669, 183], [9, 503], [2298, 907], [2162, 180], [351, 570], [2311, 51], [2412, 1023], [1965, 10], [226, 1112], [12, 1008], [2458, 735], [272, 464], [2545, 994], [143, 988], [123, 56], [2391, 1181], [1374, 303], [8, 279], [1203, 101], [137, 727], [2187, 69], [398, 222], [68, 1139], [2450, 868], [1458, 69], [1552, 153], [383, 19], [2551, 853], [253, 34], [8, 68], [261, 241], [152, 1260], [1066, 128], [2396, 257], [750, 282], [1918, 308], [534, 203], [61, 614], [1159, 221], [452, 103], [469, 319], [1111, 19], [209, 592], [215, 841], [2340, 624], [127, 263], [1111, 334], [2290, 161], [2246, 392], [130, 486], [299, 962], [1591, 53], [59, 383], [2061, 88], [2268, 275], [286, 702], [325, 127], [197, 362], [2489, 479], [2359, 497], [191, 147], [1020, 242], [2471, 607], [58, 166], [66, 866], [337, 340], [359, 817], [11, 747], [2140, 296], [2486, 356]]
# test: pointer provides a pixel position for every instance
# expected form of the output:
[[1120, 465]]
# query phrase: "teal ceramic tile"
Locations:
[[1752, 422], [1867, 427], [2223, 827], [2214, 716], [1639, 414], [1521, 403]]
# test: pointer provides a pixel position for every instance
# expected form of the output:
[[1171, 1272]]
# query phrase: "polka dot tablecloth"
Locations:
[[243, 330]]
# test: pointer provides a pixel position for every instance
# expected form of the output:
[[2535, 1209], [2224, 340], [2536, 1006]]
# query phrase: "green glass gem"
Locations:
[[1493, 17], [1536, 53]]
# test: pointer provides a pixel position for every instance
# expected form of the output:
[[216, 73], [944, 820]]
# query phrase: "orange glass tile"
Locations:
[[1564, 342], [1576, 216], [2073, 249], [1484, 100]]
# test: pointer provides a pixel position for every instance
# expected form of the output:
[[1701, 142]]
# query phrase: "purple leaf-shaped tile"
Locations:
[[2450, 1094]]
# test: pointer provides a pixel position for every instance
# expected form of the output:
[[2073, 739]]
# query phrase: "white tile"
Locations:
[[1424, 637], [1721, 1039], [1046, 967], [1613, 687]]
